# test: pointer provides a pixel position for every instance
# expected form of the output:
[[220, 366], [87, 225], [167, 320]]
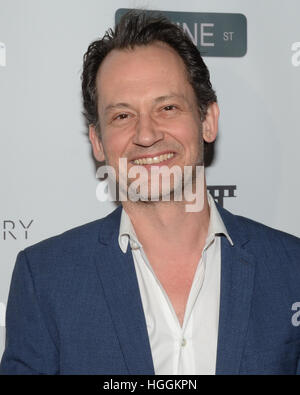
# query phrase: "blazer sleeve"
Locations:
[[29, 348]]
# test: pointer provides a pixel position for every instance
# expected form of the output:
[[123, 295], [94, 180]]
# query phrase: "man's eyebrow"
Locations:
[[116, 105], [168, 97]]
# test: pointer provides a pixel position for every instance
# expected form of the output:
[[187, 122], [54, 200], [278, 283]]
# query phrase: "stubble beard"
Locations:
[[170, 194]]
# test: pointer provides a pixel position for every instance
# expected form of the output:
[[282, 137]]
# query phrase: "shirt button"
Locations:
[[183, 342], [134, 246]]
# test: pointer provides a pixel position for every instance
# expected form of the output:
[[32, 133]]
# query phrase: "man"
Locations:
[[154, 288]]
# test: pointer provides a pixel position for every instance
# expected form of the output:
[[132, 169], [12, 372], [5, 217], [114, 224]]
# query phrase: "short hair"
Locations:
[[139, 28]]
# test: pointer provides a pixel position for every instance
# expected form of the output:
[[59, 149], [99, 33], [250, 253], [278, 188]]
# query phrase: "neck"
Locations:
[[167, 226]]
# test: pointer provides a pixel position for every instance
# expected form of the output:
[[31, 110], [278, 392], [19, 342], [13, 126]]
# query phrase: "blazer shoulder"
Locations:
[[72, 245], [260, 236], [258, 230], [280, 249]]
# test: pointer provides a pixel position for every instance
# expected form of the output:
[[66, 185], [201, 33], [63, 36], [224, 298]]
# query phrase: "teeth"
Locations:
[[155, 159]]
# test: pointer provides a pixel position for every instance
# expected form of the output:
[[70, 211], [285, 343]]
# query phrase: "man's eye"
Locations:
[[170, 107], [121, 116]]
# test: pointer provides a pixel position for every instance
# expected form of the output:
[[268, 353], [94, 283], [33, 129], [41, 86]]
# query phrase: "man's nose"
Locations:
[[147, 131]]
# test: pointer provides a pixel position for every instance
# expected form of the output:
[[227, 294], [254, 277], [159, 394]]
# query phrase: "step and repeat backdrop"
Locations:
[[48, 177]]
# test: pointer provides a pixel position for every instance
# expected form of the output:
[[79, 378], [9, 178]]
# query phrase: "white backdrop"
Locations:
[[48, 182]]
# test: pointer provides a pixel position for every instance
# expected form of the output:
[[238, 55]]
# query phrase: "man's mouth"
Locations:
[[149, 160]]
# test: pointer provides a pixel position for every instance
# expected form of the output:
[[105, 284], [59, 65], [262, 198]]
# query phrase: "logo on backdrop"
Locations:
[[215, 34], [2, 54], [296, 54], [15, 230], [219, 192]]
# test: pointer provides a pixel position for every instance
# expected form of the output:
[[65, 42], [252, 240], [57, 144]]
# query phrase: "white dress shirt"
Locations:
[[192, 348]]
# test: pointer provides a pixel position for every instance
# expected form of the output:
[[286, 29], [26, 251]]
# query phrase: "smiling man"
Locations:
[[154, 288]]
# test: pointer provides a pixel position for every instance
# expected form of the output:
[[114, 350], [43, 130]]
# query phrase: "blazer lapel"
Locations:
[[123, 297], [237, 279]]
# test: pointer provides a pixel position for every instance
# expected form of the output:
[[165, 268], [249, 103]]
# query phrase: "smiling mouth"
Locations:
[[153, 160]]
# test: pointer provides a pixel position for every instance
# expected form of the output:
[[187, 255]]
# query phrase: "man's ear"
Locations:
[[96, 144], [210, 124]]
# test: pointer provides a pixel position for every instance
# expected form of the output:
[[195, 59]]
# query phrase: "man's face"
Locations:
[[147, 109]]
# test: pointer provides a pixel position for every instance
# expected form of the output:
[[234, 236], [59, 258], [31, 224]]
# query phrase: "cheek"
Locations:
[[114, 145], [188, 134]]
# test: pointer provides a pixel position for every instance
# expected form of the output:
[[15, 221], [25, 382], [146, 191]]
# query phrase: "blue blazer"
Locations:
[[74, 305]]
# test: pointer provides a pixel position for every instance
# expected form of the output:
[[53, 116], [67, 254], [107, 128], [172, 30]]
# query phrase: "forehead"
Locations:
[[143, 70]]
